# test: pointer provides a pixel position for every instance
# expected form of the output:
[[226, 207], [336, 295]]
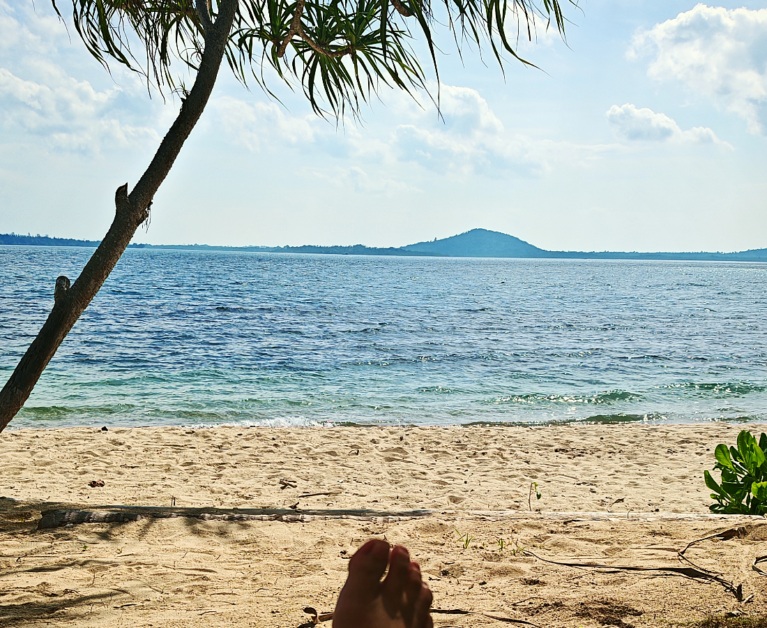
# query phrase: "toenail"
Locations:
[[368, 547], [402, 550], [381, 548]]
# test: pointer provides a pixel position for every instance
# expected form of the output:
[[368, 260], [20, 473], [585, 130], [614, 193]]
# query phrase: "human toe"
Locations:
[[422, 612], [413, 584], [366, 568], [397, 578]]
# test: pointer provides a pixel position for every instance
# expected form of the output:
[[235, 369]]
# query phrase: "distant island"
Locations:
[[474, 243]]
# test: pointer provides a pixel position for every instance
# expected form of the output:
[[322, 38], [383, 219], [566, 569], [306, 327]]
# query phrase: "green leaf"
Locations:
[[752, 454], [745, 439], [759, 491], [730, 476], [736, 491], [711, 483], [759, 455], [722, 455]]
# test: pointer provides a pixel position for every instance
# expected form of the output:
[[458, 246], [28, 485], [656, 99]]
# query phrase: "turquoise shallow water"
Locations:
[[179, 337]]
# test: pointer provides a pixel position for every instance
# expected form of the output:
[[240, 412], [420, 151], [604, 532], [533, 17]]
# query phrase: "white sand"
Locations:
[[187, 572]]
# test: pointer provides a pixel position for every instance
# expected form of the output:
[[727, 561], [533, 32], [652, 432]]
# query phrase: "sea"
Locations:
[[226, 338]]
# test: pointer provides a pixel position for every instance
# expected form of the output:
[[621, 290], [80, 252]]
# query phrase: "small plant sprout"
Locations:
[[465, 539], [533, 487], [517, 549], [501, 544]]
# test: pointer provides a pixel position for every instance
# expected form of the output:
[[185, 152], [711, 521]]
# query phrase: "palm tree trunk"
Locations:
[[130, 211]]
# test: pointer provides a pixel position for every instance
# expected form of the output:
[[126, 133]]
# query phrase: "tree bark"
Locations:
[[130, 211]]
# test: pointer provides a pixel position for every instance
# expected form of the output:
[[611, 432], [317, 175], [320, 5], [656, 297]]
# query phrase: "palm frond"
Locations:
[[340, 52]]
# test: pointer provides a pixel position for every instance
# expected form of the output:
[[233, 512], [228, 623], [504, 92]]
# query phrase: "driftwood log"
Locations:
[[58, 517], [125, 514]]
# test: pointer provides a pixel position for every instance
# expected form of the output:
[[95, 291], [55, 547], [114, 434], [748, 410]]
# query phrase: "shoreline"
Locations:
[[596, 420]]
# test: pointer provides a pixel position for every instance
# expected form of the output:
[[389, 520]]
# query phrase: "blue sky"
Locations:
[[646, 131]]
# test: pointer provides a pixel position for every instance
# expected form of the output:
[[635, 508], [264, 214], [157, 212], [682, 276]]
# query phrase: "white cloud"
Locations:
[[261, 123], [474, 153], [468, 139], [70, 114], [471, 139], [17, 35], [466, 112], [41, 102], [716, 52], [634, 124], [357, 179]]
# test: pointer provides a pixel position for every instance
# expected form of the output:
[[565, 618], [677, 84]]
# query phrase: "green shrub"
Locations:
[[744, 477]]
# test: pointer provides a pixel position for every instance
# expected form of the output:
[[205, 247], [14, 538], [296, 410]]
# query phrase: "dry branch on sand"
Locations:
[[123, 514], [692, 571]]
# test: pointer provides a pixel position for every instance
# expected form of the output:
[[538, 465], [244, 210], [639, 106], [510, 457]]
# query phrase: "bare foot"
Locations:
[[402, 600]]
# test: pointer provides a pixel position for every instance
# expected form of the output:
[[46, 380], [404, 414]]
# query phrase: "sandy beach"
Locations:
[[254, 524]]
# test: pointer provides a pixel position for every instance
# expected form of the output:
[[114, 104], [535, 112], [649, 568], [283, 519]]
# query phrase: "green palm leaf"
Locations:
[[340, 52]]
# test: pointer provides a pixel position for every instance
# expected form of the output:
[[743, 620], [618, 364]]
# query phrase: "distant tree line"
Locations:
[[474, 243], [355, 249], [43, 240]]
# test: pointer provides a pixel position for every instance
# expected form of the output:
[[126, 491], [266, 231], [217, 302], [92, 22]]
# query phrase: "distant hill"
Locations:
[[485, 243], [474, 243], [478, 243]]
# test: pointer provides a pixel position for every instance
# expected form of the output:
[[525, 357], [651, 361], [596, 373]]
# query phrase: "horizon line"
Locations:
[[85, 243]]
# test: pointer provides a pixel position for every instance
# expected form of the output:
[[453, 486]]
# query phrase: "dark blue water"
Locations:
[[210, 338]]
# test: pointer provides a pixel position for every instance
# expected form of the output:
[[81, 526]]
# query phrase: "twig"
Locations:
[[401, 9], [318, 618], [693, 572], [295, 25], [323, 51], [458, 611], [530, 494], [727, 534], [527, 599], [203, 12]]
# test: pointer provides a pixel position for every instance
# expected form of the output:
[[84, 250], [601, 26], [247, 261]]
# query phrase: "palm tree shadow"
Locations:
[[77, 608]]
